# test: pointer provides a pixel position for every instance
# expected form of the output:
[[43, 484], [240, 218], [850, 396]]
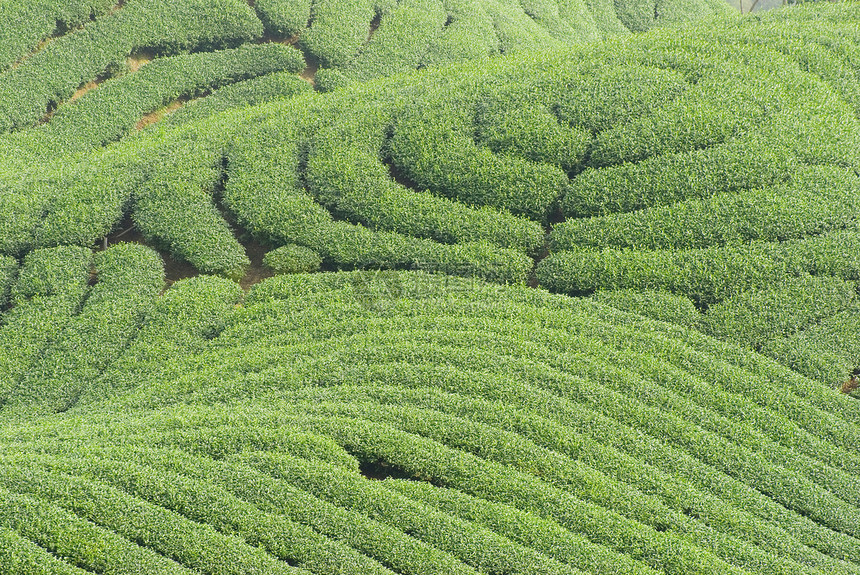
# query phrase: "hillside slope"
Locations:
[[621, 149], [382, 422], [424, 404]]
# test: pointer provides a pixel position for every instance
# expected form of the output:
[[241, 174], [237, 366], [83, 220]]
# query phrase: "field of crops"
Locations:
[[429, 286]]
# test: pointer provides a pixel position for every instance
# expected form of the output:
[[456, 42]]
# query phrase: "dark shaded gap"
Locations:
[[312, 66], [374, 25], [379, 470]]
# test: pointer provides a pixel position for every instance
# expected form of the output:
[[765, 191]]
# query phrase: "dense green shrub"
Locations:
[[432, 147], [26, 24], [706, 276], [672, 178], [20, 556], [80, 542], [636, 15], [175, 209], [826, 351], [617, 94], [400, 42], [469, 34], [169, 536], [49, 290], [530, 132], [814, 201], [284, 18], [659, 305], [61, 271], [567, 435], [106, 114], [778, 311], [130, 276], [292, 259], [174, 329], [8, 271], [54, 74], [338, 29], [268, 88], [355, 184]]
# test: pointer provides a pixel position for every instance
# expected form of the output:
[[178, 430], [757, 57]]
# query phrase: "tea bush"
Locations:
[[108, 113], [292, 259], [28, 24], [260, 90], [54, 74]]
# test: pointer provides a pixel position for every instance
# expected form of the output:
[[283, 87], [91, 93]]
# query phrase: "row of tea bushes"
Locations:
[[268, 88], [129, 277], [548, 434], [55, 73], [815, 200], [28, 24], [48, 292], [106, 114]]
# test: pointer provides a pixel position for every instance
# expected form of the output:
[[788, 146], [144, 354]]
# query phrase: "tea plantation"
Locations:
[[429, 286]]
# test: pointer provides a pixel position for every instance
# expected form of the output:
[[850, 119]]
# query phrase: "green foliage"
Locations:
[[814, 201], [106, 114], [174, 329], [659, 305], [400, 42], [8, 271], [432, 147], [129, 278], [530, 132], [354, 183], [53, 74], [826, 351], [636, 15], [60, 271], [469, 34], [338, 29], [26, 24], [755, 318], [20, 556], [617, 94], [49, 290], [64, 534], [175, 209], [292, 259], [284, 18], [541, 434], [268, 88]]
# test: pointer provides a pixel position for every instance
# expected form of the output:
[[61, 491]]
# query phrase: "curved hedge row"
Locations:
[[538, 434], [813, 201], [268, 88], [421, 170], [360, 41], [28, 24], [53, 74]]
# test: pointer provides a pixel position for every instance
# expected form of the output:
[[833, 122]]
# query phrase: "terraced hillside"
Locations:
[[427, 405], [379, 422]]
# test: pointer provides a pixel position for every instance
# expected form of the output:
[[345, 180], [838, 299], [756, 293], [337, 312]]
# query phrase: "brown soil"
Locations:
[[88, 87], [256, 272], [310, 72], [156, 116], [138, 60]]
